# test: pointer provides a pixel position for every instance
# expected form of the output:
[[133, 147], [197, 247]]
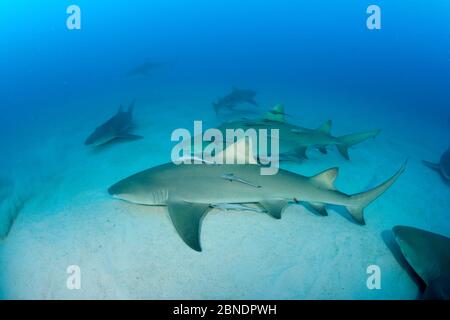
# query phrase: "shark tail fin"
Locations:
[[350, 140], [361, 200]]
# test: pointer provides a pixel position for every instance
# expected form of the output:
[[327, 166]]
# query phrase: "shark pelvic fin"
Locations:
[[239, 152], [319, 208], [187, 219], [326, 179], [343, 150], [322, 150], [361, 200], [326, 127], [274, 207]]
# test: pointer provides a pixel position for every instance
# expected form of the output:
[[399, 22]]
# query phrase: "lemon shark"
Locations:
[[295, 140], [428, 254], [143, 69], [443, 167], [236, 97], [190, 190], [117, 127]]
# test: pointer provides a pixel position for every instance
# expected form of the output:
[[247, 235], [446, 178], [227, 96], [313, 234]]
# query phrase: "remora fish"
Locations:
[[190, 190], [117, 127], [429, 255]]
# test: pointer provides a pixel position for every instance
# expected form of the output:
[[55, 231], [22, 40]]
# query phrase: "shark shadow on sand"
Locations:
[[11, 204]]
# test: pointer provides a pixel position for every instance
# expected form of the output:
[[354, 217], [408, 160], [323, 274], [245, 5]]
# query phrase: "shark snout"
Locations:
[[116, 189]]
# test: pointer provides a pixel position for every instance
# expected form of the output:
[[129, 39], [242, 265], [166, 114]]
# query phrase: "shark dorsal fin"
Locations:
[[120, 109], [239, 152], [326, 178], [276, 114], [131, 106], [326, 127]]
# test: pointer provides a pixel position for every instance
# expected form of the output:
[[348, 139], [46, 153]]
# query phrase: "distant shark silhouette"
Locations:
[[236, 97], [117, 127], [143, 69], [429, 255], [443, 167]]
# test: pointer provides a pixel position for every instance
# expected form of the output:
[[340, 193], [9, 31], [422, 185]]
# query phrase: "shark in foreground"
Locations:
[[443, 167], [117, 127], [429, 255], [236, 97], [190, 190], [295, 140]]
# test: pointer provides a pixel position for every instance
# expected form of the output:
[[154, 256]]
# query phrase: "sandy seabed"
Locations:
[[132, 252]]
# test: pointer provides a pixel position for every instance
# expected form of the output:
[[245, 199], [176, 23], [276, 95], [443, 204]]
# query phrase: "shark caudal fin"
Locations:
[[361, 200], [350, 140]]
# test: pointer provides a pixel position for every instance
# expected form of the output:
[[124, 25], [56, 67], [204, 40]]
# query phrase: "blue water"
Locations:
[[317, 58]]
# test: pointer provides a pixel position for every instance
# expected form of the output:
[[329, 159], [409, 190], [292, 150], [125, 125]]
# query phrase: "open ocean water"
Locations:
[[319, 59]]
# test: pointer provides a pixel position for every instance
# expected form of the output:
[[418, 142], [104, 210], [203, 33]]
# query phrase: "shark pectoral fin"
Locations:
[[187, 219], [319, 208], [274, 207], [431, 165], [129, 136], [326, 178], [343, 150]]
